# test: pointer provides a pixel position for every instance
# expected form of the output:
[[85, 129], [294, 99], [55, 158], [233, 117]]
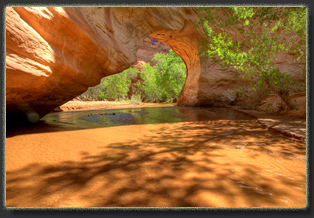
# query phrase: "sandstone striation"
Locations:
[[149, 47], [54, 54]]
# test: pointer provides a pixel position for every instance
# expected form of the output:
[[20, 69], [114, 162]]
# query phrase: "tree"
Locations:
[[112, 87], [165, 80], [150, 82], [249, 38], [117, 86]]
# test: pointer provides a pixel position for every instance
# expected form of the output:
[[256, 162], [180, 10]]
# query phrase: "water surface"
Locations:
[[153, 157]]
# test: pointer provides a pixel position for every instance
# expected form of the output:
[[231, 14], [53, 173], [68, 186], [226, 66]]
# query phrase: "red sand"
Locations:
[[195, 164]]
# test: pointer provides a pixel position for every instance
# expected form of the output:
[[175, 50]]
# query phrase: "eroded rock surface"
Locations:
[[54, 54], [273, 104], [149, 47]]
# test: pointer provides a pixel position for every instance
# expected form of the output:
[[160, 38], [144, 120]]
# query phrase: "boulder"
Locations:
[[272, 104]]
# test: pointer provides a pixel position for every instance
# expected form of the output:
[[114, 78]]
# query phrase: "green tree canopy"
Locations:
[[162, 82], [165, 80], [117, 86], [249, 38]]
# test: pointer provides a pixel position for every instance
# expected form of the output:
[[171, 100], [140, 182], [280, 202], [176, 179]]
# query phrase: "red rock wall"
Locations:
[[55, 54], [149, 47]]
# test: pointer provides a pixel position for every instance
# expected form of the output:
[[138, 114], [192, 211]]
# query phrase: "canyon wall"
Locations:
[[149, 47], [54, 54]]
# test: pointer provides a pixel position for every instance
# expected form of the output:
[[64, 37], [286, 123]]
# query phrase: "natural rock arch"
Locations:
[[185, 44], [54, 54]]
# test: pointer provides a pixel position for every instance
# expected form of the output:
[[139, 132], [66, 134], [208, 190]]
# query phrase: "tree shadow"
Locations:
[[192, 164]]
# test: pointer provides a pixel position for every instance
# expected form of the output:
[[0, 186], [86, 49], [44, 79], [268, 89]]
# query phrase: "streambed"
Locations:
[[153, 157]]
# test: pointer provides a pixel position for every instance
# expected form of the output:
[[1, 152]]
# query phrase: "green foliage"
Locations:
[[111, 87], [150, 75], [164, 81], [117, 86], [136, 99], [260, 34]]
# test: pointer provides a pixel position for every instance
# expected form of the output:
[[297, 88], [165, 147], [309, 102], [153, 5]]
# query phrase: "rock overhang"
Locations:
[[55, 54]]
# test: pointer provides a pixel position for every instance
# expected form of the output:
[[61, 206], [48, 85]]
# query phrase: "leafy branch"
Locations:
[[255, 55]]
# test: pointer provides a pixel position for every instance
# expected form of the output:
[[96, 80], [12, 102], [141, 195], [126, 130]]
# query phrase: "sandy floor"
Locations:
[[219, 163], [90, 105]]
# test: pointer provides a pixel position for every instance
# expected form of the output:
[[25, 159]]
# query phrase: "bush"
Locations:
[[136, 99], [165, 80], [160, 83], [117, 86]]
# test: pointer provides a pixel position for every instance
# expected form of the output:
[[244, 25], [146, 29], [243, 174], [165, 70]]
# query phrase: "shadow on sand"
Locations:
[[191, 165]]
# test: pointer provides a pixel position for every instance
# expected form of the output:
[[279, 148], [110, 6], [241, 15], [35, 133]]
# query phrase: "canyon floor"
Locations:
[[287, 125], [77, 105], [209, 157]]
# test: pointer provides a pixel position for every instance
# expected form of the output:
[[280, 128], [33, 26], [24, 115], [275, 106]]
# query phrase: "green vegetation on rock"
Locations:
[[249, 39], [162, 82], [165, 80]]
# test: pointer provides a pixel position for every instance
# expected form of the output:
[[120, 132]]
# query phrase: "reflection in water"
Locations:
[[149, 115], [153, 157]]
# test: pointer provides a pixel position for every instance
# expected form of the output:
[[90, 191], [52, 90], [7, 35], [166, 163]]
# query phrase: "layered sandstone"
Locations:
[[54, 54], [149, 47]]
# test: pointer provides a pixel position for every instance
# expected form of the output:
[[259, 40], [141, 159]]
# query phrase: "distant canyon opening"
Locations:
[[158, 76]]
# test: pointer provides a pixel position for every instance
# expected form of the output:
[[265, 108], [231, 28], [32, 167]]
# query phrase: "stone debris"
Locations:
[[289, 126]]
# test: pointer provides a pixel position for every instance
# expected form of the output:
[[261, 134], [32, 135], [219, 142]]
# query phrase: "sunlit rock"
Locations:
[[54, 54]]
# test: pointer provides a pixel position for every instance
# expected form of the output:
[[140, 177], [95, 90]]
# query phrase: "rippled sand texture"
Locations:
[[227, 161]]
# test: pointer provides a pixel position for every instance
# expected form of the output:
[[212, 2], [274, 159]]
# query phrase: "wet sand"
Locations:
[[230, 162]]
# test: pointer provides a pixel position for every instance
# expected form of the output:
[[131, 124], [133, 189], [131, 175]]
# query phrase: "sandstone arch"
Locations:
[[54, 54], [185, 44]]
